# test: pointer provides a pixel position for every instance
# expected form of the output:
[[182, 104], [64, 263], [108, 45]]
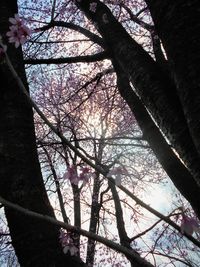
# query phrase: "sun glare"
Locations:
[[158, 197]]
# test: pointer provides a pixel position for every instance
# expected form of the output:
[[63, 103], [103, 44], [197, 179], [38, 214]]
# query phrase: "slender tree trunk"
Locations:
[[95, 206], [57, 184], [36, 243], [94, 219], [77, 215], [124, 239]]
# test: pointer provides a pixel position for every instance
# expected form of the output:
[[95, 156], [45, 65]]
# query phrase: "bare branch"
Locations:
[[93, 37], [104, 171], [129, 253], [90, 58]]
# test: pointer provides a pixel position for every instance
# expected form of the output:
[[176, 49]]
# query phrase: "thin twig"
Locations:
[[104, 171]]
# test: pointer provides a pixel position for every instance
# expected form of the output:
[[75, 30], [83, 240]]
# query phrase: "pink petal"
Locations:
[[12, 20]]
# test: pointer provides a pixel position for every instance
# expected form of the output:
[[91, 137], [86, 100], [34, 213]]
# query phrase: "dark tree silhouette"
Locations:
[[36, 243], [167, 87]]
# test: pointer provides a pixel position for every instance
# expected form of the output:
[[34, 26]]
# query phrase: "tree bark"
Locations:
[[157, 93], [36, 243], [178, 26], [156, 90], [174, 168]]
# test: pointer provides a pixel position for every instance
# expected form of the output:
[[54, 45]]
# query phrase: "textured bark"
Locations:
[[178, 173], [36, 243], [154, 87], [178, 26], [158, 53]]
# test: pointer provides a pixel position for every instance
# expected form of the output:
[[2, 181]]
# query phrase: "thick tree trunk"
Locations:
[[158, 94], [178, 26], [36, 243], [175, 169], [151, 83]]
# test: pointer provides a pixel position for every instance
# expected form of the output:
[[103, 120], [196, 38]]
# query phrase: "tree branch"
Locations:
[[103, 171], [154, 87], [89, 58], [93, 37], [129, 253]]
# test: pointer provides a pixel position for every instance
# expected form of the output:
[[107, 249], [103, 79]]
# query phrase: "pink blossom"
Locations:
[[63, 238], [189, 225], [16, 20], [75, 178], [71, 175], [18, 32]]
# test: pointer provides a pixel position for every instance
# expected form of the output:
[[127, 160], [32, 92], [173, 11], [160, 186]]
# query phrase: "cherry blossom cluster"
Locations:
[[18, 32], [74, 177], [67, 243]]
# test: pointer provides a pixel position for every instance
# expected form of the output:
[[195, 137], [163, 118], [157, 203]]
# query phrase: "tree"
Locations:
[[129, 57], [159, 84], [35, 243]]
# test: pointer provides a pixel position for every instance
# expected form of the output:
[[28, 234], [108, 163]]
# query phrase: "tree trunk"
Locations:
[[36, 243], [157, 93], [152, 84], [77, 215], [175, 169], [94, 219], [178, 26], [124, 239]]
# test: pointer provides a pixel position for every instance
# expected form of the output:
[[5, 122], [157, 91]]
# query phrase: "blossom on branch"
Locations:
[[18, 32], [73, 176]]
